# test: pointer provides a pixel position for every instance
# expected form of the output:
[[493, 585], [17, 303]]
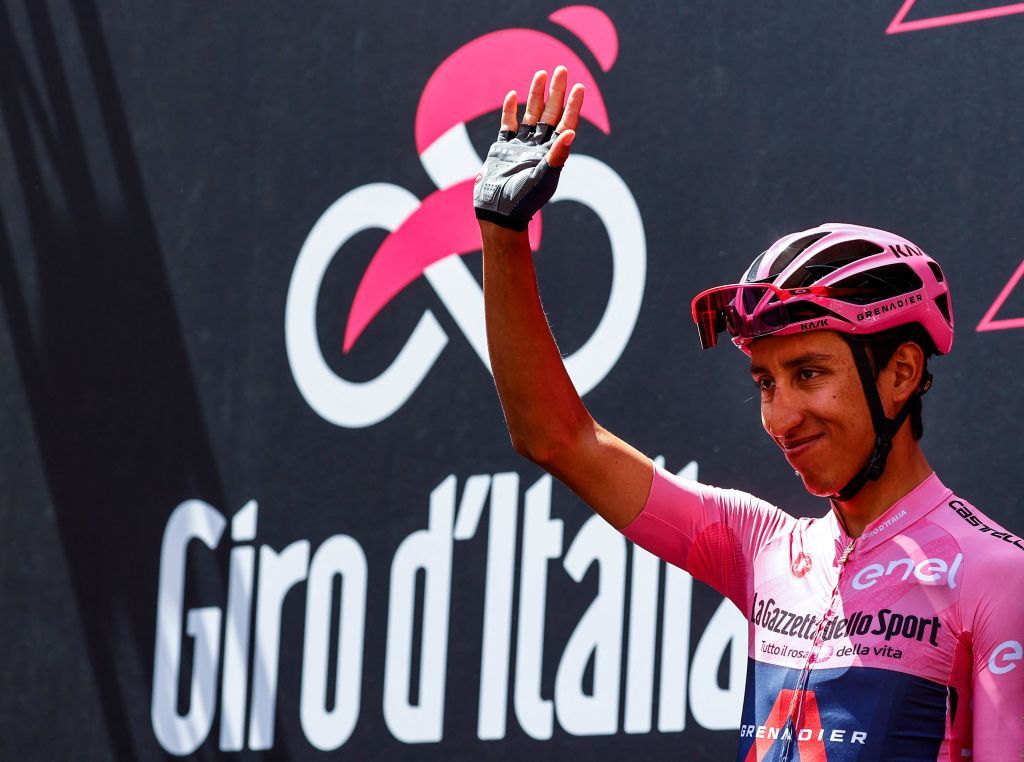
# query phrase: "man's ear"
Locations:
[[906, 368]]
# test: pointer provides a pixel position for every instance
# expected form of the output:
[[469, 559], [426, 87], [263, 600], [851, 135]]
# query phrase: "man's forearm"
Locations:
[[545, 416], [542, 409]]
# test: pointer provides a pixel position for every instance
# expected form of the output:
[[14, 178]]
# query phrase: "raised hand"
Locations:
[[522, 167]]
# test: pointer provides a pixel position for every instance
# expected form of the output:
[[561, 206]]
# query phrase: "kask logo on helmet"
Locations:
[[428, 237]]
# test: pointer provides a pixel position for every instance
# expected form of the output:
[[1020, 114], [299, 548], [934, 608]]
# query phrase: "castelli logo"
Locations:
[[429, 236], [801, 565]]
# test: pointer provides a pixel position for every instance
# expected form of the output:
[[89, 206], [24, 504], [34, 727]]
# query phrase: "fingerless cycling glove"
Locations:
[[516, 180]]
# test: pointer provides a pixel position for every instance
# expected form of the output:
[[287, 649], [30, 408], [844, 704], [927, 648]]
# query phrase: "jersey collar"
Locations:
[[910, 508]]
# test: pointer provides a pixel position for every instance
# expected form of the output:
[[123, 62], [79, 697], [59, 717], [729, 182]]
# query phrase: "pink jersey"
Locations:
[[902, 644]]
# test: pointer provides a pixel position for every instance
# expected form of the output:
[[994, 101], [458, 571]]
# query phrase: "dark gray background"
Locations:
[[162, 163]]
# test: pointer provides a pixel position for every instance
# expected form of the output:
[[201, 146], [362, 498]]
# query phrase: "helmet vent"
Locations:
[[831, 259], [881, 283], [937, 271], [791, 252], [942, 302], [751, 275]]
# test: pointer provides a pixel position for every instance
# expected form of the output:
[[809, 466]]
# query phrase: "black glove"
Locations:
[[516, 180]]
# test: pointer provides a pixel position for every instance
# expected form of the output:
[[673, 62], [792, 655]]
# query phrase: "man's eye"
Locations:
[[806, 374], [764, 384]]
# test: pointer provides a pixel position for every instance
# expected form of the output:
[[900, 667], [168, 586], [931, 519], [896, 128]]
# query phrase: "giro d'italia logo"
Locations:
[[427, 237]]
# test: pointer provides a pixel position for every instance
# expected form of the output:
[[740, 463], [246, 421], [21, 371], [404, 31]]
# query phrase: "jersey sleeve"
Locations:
[[998, 660], [712, 533]]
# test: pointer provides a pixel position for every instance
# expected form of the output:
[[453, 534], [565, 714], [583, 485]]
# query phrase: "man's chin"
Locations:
[[817, 485]]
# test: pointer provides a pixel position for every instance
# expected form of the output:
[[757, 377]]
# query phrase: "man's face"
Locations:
[[813, 406]]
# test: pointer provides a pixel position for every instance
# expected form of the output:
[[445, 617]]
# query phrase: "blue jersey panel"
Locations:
[[844, 714]]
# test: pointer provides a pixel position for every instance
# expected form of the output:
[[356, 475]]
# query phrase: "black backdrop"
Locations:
[[162, 166]]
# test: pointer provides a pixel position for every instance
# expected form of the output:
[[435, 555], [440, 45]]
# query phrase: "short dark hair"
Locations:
[[882, 346]]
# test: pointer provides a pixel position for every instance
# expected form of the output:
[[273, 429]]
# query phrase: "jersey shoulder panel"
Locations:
[[978, 534], [993, 556], [989, 558]]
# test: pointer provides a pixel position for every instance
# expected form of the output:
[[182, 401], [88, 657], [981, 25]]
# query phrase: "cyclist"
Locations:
[[887, 629]]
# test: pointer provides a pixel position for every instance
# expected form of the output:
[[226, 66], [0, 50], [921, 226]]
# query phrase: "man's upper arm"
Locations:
[[712, 533], [610, 475], [998, 646]]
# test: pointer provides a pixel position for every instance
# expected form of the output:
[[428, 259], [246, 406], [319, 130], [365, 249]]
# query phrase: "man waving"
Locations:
[[888, 628]]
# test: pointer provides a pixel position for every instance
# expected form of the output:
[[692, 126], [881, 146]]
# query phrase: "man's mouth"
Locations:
[[796, 446]]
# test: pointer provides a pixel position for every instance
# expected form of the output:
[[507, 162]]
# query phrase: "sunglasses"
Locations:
[[748, 310]]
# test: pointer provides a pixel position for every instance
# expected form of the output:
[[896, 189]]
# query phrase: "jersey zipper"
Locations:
[[796, 709]]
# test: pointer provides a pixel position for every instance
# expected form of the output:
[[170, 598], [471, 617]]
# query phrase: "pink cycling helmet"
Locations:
[[839, 277], [854, 280]]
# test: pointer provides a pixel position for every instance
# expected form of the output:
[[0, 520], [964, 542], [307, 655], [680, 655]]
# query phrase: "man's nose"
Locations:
[[782, 414]]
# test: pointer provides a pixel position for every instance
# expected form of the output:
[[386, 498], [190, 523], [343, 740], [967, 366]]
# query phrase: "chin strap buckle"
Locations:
[[876, 463], [926, 383]]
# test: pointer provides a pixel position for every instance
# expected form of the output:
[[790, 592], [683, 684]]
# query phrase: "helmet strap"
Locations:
[[885, 428]]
